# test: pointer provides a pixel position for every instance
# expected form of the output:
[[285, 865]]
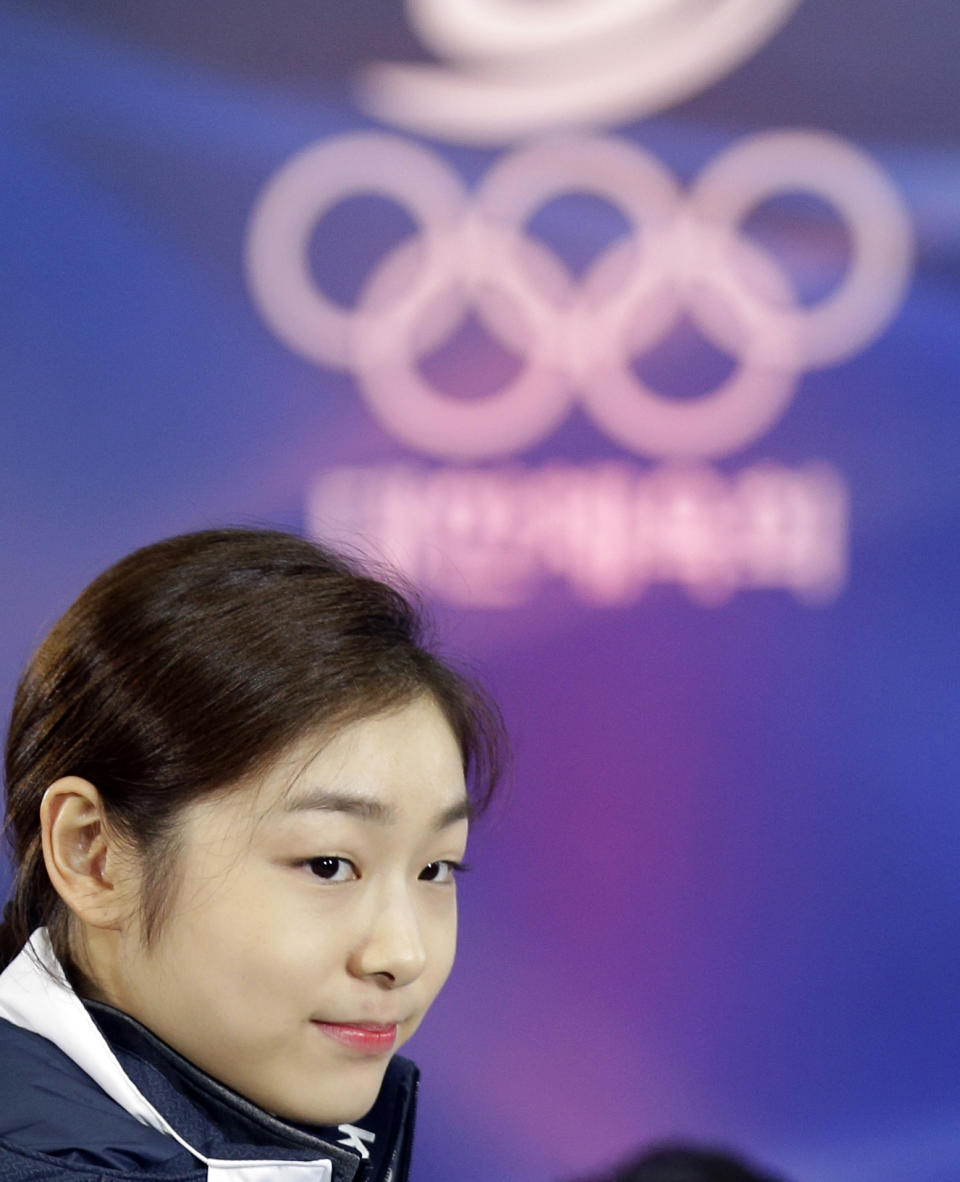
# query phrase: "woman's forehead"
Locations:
[[379, 769]]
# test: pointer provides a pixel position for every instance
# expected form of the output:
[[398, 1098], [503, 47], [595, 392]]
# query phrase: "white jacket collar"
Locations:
[[36, 995]]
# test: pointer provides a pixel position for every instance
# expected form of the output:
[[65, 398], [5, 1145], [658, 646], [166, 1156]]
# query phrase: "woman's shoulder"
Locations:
[[19, 1165], [56, 1122]]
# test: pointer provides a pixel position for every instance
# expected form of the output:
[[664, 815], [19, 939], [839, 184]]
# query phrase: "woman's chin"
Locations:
[[329, 1113]]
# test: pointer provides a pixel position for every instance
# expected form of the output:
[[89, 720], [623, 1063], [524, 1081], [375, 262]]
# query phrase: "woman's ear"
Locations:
[[87, 866]]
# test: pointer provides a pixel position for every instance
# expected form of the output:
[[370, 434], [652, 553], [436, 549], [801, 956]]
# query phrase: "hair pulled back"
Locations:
[[186, 668]]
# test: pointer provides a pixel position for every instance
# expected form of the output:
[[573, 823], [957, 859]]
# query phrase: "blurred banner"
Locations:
[[626, 330]]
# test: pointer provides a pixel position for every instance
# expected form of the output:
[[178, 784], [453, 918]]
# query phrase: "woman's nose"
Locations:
[[393, 949]]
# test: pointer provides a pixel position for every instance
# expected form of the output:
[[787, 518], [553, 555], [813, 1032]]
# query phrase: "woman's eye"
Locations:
[[332, 869], [443, 871]]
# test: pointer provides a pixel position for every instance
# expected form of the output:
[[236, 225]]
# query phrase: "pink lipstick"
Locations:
[[371, 1038]]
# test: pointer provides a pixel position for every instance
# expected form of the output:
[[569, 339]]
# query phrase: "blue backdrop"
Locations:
[[631, 336]]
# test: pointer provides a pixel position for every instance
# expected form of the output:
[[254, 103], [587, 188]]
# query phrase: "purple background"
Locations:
[[721, 899]]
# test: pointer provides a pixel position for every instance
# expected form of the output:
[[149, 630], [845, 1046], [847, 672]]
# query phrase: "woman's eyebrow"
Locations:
[[325, 801], [365, 809], [461, 811]]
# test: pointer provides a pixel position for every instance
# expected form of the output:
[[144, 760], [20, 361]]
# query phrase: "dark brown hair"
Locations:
[[186, 668]]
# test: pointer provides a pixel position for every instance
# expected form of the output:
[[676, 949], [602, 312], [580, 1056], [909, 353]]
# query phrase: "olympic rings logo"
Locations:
[[686, 255]]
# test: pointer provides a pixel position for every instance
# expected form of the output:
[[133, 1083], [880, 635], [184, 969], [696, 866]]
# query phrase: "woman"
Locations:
[[239, 791]]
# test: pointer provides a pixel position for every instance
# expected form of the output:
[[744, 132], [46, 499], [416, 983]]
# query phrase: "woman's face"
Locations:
[[313, 920]]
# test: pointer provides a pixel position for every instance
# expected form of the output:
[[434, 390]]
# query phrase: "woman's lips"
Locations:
[[372, 1038]]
